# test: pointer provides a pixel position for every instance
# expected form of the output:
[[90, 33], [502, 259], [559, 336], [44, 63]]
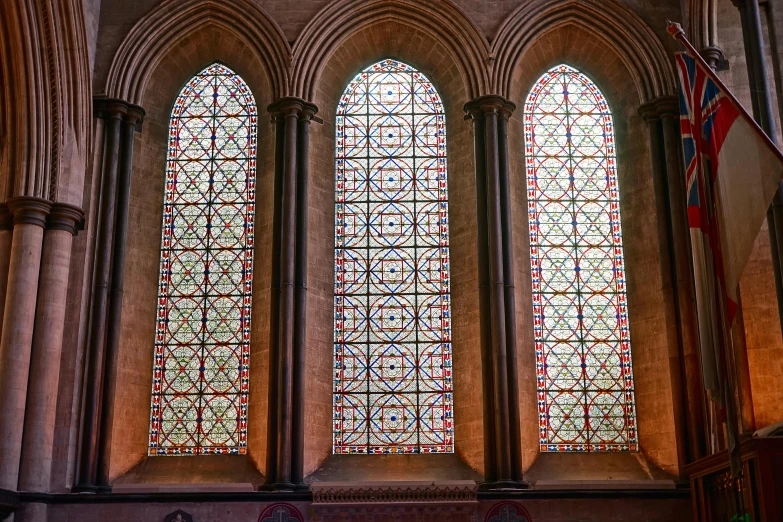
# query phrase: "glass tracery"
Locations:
[[392, 335], [200, 381], [583, 351]]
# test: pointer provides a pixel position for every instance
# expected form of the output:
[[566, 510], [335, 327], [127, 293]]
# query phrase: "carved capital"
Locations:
[[114, 109], [491, 103], [65, 217], [290, 106], [28, 210], [715, 58], [658, 108], [6, 221]]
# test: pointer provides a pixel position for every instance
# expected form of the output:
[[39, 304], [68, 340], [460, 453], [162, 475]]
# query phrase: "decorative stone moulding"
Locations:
[[451, 491], [28, 210], [178, 516], [65, 217], [281, 512], [507, 512], [9, 502]]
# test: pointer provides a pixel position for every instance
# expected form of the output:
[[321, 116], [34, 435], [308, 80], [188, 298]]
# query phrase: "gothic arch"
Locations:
[[45, 129], [344, 39], [608, 20], [161, 30], [575, 33], [443, 21]]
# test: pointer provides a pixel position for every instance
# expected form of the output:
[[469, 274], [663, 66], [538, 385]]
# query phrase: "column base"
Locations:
[[9, 502], [280, 486], [503, 485]]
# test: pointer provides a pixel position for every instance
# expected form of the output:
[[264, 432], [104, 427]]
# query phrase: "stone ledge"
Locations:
[[593, 485], [225, 487], [408, 492]]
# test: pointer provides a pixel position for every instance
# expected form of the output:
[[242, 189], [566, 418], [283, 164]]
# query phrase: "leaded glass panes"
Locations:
[[200, 382], [392, 314], [583, 350]]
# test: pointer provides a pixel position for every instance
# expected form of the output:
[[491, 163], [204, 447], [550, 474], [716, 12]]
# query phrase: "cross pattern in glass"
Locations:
[[392, 312], [583, 350], [202, 341]]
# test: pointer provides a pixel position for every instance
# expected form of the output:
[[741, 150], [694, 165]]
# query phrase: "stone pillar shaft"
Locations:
[[285, 445], [6, 235], [29, 215], [117, 161], [38, 440], [502, 463], [114, 318], [662, 117]]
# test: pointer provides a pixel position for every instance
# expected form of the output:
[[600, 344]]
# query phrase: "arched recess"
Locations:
[[597, 39], [158, 57], [46, 116], [155, 35], [386, 31], [703, 23], [621, 30], [337, 22]]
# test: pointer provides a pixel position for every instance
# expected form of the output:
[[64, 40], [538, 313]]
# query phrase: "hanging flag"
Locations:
[[732, 173]]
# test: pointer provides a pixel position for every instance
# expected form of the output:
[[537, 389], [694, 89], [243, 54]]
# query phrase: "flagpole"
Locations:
[[678, 34]]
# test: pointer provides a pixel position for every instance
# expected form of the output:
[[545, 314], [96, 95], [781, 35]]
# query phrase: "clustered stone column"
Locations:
[[285, 436], [761, 101], [662, 118], [63, 222], [122, 121], [502, 443], [29, 220]]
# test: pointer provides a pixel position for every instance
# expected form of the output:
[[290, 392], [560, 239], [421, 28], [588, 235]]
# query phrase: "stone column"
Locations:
[[62, 224], [502, 457], [300, 292], [29, 215], [285, 445], [38, 441], [662, 118], [6, 232], [761, 100], [117, 114], [130, 121]]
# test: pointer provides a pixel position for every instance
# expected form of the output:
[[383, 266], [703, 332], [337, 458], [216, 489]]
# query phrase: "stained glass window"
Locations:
[[200, 381], [392, 314], [583, 350]]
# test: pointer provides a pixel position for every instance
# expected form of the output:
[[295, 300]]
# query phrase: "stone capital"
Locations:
[[114, 109], [6, 220], [489, 103], [28, 210], [291, 106], [65, 217], [658, 108]]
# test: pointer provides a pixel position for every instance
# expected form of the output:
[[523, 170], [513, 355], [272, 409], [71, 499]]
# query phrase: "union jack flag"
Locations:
[[732, 172]]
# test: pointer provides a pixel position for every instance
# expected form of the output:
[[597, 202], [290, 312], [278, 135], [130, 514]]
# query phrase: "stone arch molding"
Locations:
[[612, 22], [166, 25], [442, 19]]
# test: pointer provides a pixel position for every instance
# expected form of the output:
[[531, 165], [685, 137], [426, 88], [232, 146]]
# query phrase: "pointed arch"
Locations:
[[583, 350], [444, 20], [609, 20], [155, 35], [392, 314], [202, 341]]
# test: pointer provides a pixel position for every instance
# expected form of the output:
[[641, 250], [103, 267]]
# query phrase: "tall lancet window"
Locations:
[[392, 313], [583, 349], [200, 382]]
